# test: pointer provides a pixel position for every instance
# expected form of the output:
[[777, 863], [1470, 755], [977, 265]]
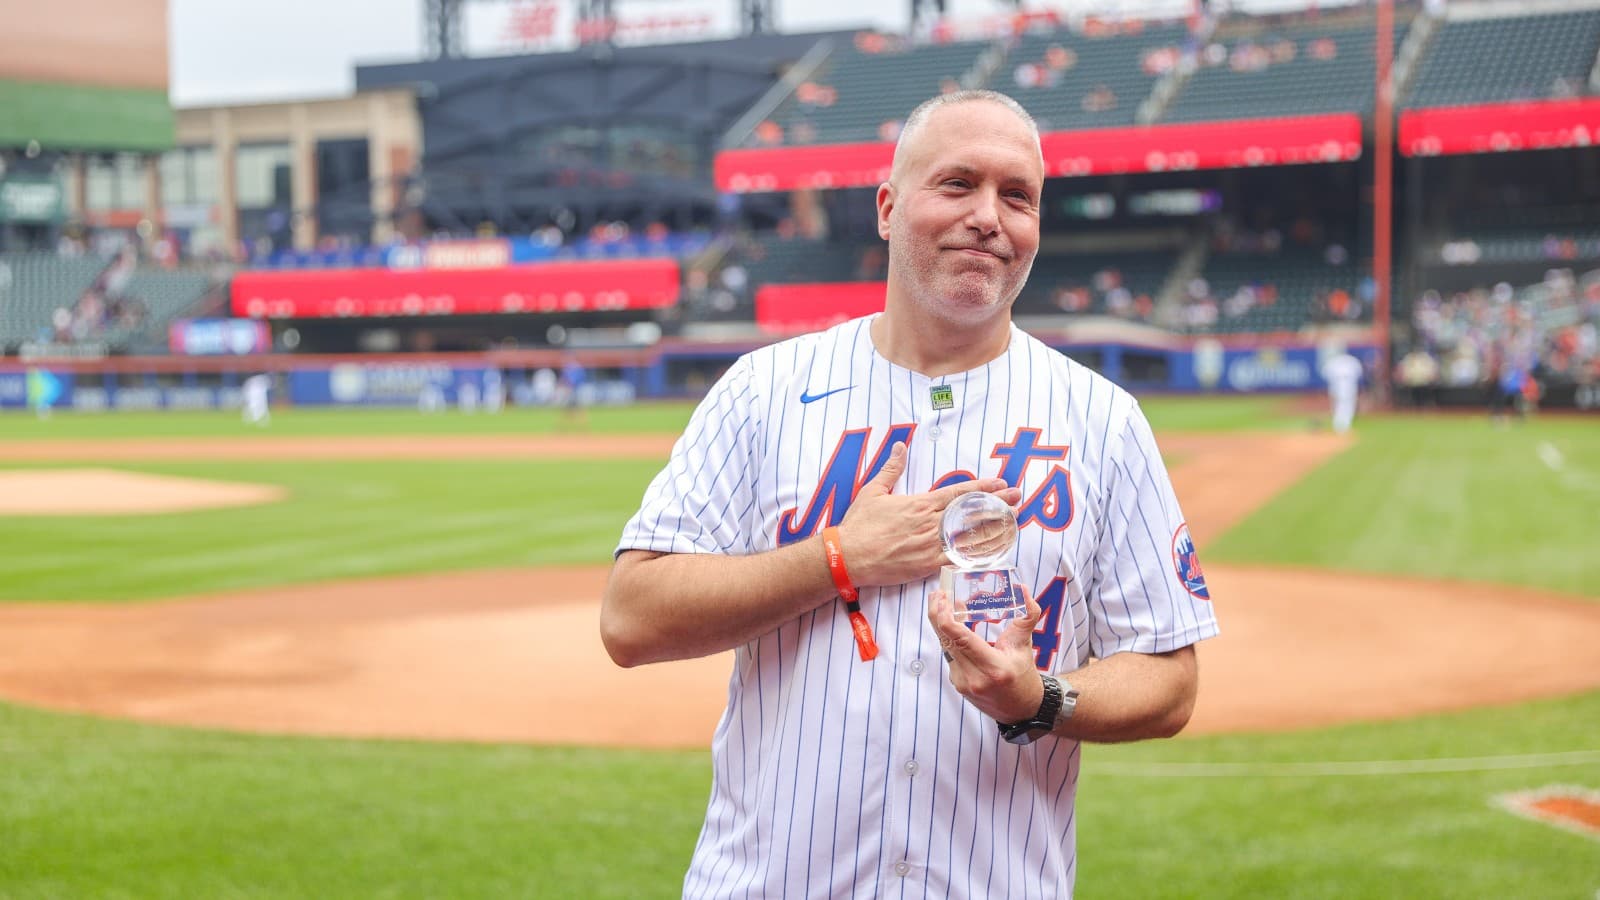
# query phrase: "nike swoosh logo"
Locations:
[[808, 398]]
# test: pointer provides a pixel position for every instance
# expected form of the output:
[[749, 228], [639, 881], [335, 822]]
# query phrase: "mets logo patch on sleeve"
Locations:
[[1187, 563]]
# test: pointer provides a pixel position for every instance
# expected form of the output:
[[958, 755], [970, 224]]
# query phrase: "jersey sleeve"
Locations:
[[700, 502], [1150, 596]]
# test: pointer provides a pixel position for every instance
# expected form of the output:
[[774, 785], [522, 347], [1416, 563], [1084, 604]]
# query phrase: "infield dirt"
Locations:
[[514, 655]]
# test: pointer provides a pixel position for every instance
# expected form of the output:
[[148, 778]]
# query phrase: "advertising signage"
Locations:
[[1500, 127], [550, 287], [30, 200], [795, 308], [1104, 151]]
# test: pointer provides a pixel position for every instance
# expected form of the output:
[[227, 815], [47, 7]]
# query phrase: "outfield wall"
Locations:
[[673, 369]]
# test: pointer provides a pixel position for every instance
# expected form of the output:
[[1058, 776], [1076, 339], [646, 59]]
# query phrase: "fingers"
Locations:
[[952, 635], [892, 469], [1019, 631], [946, 495]]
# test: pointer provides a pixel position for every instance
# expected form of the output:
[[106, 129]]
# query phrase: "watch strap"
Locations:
[[1043, 721]]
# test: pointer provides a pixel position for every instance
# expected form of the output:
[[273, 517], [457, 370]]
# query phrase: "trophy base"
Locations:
[[983, 595]]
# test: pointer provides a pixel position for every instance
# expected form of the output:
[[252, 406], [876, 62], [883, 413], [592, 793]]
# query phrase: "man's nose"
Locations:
[[984, 214]]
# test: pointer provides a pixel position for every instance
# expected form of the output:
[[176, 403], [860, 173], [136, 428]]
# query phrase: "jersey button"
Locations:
[[916, 667], [934, 433], [902, 868], [912, 767]]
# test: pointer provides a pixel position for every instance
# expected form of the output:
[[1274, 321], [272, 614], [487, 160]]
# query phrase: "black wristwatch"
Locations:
[[1060, 701]]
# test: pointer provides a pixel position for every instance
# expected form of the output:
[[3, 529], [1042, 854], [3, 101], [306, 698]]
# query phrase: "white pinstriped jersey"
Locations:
[[835, 777]]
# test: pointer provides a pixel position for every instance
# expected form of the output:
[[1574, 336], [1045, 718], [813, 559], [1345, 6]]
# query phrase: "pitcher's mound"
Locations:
[[108, 492]]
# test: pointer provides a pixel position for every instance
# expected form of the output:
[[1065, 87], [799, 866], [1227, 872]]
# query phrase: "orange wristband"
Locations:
[[841, 576], [866, 645]]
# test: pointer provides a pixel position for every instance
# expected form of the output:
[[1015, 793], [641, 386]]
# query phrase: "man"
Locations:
[[573, 376], [255, 391], [1342, 371], [835, 776]]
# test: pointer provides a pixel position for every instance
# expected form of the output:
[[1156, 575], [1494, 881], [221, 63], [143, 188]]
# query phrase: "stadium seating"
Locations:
[[1516, 244], [34, 285], [1491, 60], [775, 260], [1290, 72], [857, 92], [1291, 289], [1093, 277], [166, 295], [1057, 76]]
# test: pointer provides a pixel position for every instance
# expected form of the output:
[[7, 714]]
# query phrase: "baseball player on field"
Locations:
[[872, 745]]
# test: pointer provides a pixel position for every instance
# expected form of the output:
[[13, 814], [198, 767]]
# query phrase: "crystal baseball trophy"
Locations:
[[980, 532]]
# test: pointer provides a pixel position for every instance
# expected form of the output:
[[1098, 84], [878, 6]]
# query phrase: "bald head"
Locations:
[[905, 148]]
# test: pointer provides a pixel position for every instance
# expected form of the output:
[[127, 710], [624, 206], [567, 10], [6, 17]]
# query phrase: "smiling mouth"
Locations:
[[973, 251]]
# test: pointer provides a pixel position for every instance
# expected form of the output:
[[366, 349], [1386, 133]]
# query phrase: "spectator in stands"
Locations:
[[1418, 377], [1099, 99], [1119, 302], [1071, 299], [1059, 58], [874, 264], [769, 133], [1159, 60], [735, 280], [1028, 76], [1339, 304], [1249, 56]]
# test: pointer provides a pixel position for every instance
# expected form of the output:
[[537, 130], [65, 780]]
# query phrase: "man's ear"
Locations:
[[885, 205]]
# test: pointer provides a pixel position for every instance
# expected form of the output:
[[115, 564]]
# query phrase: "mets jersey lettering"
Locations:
[[834, 777], [1050, 505]]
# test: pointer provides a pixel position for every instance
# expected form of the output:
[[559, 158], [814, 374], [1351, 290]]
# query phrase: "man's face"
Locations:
[[961, 212]]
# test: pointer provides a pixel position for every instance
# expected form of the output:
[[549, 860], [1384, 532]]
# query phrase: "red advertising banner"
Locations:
[[794, 308], [1500, 127], [1204, 145], [1149, 148], [795, 168], [546, 287]]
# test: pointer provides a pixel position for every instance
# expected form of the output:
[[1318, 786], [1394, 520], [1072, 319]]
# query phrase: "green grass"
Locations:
[[1414, 835], [100, 808], [92, 808], [112, 809], [1225, 413], [1442, 497], [644, 418], [341, 520]]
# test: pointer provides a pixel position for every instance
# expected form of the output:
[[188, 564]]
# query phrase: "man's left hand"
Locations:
[[1000, 680]]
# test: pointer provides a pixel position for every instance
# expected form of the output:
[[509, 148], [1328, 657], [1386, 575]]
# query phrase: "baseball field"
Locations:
[[356, 654]]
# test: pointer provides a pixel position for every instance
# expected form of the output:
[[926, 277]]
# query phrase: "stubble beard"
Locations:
[[950, 297]]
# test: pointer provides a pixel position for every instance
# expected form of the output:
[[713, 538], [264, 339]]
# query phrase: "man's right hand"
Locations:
[[890, 539]]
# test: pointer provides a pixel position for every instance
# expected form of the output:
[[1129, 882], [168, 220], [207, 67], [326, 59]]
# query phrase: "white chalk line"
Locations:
[[1569, 477], [1352, 768]]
